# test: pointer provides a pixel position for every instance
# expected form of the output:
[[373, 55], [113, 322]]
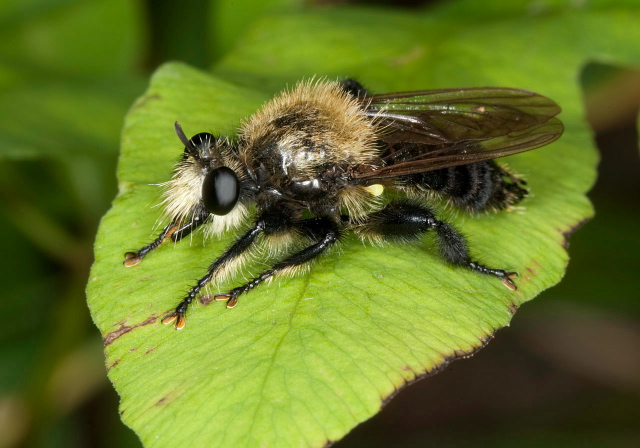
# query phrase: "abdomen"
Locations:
[[475, 187]]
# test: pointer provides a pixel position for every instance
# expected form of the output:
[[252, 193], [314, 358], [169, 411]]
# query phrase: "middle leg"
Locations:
[[324, 231]]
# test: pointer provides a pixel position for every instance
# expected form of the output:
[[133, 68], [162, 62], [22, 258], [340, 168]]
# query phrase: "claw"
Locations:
[[170, 318], [181, 322], [506, 281], [131, 259], [177, 317], [221, 297], [231, 299]]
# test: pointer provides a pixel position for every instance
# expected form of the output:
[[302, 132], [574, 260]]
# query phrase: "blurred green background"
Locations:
[[566, 373]]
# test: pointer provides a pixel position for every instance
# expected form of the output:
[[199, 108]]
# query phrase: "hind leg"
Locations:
[[405, 221]]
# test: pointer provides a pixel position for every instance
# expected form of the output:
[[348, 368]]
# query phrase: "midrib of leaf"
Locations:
[[272, 361]]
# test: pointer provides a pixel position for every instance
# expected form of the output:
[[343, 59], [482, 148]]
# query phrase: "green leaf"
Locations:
[[301, 361]]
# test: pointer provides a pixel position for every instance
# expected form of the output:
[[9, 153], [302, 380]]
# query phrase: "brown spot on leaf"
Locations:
[[115, 334], [150, 350], [206, 299], [117, 361], [146, 99], [513, 308], [530, 269], [166, 399]]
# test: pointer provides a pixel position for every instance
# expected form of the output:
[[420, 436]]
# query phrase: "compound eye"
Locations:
[[220, 190]]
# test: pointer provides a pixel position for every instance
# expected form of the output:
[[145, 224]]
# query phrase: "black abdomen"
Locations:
[[475, 187]]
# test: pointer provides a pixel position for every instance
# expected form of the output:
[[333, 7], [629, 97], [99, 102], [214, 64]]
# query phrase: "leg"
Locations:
[[405, 221], [324, 230], [176, 231], [133, 258], [186, 229], [271, 222]]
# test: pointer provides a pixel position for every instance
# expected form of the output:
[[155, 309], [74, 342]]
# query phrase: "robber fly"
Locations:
[[326, 158]]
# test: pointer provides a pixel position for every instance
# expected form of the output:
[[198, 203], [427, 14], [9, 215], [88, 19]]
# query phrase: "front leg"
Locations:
[[133, 258], [274, 221], [175, 231], [324, 230]]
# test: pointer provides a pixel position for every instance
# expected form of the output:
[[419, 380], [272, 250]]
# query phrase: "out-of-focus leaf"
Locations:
[[231, 18], [66, 76], [21, 338], [75, 37], [64, 119]]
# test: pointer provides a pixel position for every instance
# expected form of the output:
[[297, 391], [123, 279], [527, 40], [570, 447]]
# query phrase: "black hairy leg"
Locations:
[[133, 258], [405, 221], [186, 229], [276, 220], [322, 230], [174, 231]]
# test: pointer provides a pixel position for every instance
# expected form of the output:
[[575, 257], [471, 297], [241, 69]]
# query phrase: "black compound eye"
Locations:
[[220, 190]]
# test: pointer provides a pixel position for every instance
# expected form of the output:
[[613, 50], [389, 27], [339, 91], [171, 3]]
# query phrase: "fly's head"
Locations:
[[208, 180]]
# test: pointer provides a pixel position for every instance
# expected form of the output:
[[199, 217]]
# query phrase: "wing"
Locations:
[[428, 130]]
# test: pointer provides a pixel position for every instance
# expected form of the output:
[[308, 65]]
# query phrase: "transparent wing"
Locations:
[[427, 130]]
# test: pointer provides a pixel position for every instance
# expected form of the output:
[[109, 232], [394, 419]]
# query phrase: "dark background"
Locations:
[[566, 373]]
